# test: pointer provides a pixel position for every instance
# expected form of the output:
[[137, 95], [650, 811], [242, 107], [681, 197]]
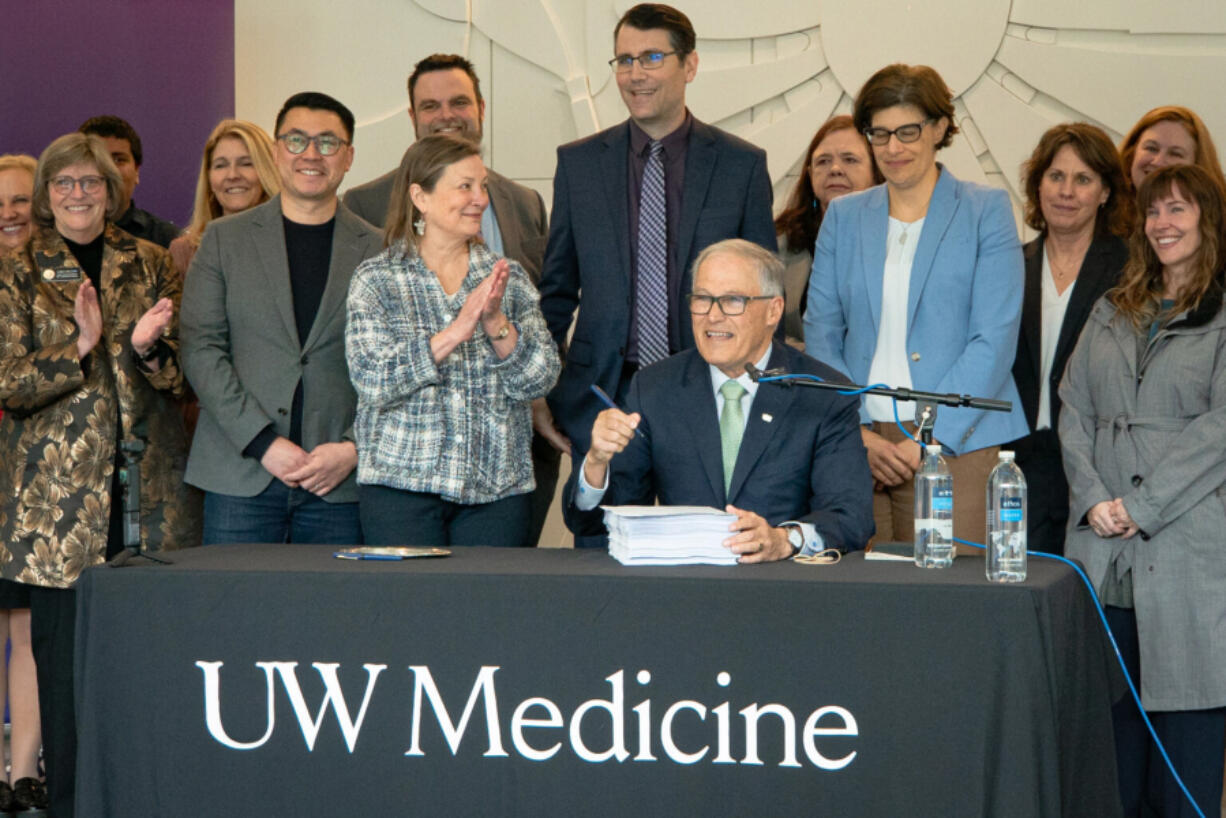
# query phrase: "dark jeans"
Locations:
[[53, 616], [1194, 739], [397, 517], [279, 514]]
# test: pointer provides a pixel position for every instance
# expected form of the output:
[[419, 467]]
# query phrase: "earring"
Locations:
[[420, 226]]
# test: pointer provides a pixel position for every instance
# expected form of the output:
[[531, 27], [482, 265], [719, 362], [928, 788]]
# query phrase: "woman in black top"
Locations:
[[1073, 185]]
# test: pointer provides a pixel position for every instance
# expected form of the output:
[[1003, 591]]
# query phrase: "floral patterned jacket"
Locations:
[[58, 433]]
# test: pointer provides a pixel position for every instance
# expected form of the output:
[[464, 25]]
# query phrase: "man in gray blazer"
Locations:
[[263, 345], [445, 97]]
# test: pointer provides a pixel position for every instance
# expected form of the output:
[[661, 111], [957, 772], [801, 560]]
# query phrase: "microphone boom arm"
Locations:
[[926, 402]]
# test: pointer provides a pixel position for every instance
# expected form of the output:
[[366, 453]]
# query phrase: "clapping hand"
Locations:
[[88, 315], [151, 326]]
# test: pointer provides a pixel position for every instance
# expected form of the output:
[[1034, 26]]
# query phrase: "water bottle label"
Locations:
[[1011, 509], [943, 500]]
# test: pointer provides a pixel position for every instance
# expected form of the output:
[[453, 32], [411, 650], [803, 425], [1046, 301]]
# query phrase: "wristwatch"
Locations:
[[504, 332], [795, 538]]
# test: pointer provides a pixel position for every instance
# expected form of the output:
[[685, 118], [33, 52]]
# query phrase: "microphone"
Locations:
[[757, 375]]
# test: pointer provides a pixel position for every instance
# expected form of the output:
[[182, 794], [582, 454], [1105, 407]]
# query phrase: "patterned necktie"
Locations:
[[731, 427], [651, 289]]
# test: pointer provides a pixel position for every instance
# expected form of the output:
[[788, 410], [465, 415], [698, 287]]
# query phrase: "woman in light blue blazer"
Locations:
[[918, 283]]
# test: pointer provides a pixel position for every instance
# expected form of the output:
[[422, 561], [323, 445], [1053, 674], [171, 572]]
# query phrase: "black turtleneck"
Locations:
[[89, 256]]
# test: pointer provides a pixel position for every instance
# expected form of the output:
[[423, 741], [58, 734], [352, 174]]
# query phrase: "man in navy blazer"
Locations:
[[799, 480], [716, 186]]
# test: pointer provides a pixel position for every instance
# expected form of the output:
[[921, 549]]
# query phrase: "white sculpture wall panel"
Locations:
[[770, 71], [1168, 16]]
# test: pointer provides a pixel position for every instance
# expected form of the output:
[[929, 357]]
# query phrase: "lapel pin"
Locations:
[[48, 274], [767, 418]]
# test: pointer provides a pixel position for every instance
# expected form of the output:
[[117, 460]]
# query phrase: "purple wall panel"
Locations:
[[166, 66]]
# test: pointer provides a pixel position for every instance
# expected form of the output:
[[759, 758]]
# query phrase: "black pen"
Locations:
[[607, 401]]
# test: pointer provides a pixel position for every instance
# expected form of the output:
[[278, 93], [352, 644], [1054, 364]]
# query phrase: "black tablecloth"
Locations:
[[969, 699]]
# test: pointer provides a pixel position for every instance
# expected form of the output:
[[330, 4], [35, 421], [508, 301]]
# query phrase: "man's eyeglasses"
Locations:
[[64, 185], [728, 304], [905, 133], [326, 143], [649, 60]]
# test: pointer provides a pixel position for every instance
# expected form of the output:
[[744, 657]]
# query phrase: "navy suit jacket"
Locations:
[[801, 457], [727, 194]]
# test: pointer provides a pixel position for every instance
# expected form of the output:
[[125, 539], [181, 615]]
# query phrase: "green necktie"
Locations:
[[731, 427]]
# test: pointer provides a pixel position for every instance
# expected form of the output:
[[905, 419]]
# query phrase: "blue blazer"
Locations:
[[801, 457], [727, 194], [963, 307]]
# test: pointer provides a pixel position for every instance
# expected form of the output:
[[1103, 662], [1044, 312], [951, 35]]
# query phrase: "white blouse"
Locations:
[[1054, 305], [890, 364]]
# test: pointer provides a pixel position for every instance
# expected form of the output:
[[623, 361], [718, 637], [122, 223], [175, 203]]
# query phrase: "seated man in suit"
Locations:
[[698, 431]]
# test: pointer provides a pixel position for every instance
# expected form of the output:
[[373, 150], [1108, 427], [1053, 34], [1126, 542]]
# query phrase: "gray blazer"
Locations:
[[520, 212], [1149, 426], [241, 352]]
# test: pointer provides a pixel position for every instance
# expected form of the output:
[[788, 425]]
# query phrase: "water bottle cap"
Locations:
[[1006, 455], [932, 448]]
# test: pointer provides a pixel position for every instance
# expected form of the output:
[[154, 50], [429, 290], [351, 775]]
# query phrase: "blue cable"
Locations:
[[848, 392], [1136, 697], [1102, 615], [898, 422]]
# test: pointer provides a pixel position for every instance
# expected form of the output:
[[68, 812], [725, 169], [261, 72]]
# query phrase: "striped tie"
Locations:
[[651, 290], [731, 427]]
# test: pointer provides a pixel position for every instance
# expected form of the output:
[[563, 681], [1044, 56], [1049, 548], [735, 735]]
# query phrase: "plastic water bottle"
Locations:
[[934, 511], [1006, 522]]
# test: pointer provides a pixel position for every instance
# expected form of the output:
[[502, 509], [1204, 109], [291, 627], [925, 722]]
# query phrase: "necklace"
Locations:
[[1060, 271]]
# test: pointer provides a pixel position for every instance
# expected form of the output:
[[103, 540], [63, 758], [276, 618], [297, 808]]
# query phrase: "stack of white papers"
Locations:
[[669, 535]]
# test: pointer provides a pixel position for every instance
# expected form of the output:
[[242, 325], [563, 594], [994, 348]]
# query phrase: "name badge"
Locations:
[[62, 274]]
